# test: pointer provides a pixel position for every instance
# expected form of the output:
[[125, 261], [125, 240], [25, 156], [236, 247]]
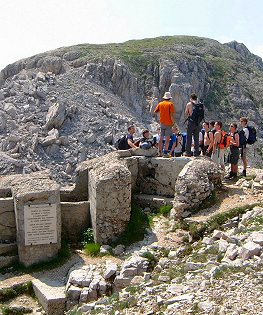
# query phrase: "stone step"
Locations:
[[8, 248], [51, 295], [6, 261], [152, 201]]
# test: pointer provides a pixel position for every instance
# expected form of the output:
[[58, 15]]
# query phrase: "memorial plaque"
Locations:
[[40, 224]]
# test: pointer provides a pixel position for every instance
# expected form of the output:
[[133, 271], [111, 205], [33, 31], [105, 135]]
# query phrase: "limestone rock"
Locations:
[[56, 115], [249, 249]]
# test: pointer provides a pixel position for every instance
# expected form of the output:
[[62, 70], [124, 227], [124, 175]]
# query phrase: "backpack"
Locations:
[[225, 140], [242, 138], [198, 113], [122, 143], [252, 137]]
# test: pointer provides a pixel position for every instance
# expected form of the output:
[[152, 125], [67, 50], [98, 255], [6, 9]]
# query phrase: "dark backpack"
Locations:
[[252, 137], [122, 143], [198, 113], [242, 138]]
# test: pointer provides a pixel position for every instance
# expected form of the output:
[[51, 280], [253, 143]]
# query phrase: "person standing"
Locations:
[[244, 134], [218, 155], [234, 151], [167, 119], [195, 114], [206, 139]]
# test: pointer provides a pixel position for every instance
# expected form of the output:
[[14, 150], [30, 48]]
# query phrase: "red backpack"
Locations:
[[225, 140]]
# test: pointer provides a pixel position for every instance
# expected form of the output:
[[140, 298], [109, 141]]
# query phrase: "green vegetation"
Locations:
[[135, 229], [88, 236], [198, 229], [62, 256], [74, 311], [10, 293], [165, 210], [92, 249]]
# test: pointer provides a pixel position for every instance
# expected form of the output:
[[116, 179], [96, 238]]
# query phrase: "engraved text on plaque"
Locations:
[[40, 224]]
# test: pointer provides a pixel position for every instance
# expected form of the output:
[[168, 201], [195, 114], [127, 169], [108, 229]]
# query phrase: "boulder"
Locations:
[[249, 249], [10, 109], [55, 116]]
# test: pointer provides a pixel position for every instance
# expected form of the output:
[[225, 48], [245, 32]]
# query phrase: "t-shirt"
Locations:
[[165, 108], [129, 137], [246, 132]]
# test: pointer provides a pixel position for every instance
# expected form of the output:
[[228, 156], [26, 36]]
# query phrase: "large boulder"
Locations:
[[55, 116], [195, 183]]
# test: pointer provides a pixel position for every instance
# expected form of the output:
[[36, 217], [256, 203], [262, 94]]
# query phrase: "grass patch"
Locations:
[[136, 227], [62, 256], [92, 249], [165, 210], [10, 293]]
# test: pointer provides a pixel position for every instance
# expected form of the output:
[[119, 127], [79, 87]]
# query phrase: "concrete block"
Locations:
[[8, 248], [110, 200], [7, 260], [7, 219], [41, 191], [51, 295], [75, 218]]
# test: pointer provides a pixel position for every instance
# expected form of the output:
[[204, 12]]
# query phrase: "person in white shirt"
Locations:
[[243, 123]]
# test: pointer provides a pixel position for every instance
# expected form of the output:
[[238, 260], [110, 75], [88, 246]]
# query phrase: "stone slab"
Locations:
[[75, 218], [51, 295]]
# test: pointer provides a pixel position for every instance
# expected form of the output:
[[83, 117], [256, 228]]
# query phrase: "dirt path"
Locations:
[[230, 197]]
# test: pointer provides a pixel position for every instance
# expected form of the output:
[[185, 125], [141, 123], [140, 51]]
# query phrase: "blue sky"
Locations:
[[29, 27]]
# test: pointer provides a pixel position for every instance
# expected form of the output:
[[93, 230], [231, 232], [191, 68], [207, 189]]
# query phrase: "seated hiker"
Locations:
[[145, 142], [156, 137], [176, 142], [126, 142], [234, 151]]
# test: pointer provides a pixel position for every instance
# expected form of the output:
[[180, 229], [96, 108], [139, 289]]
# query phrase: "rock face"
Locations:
[[97, 100], [195, 183]]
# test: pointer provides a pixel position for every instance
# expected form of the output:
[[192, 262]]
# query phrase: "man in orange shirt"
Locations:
[[167, 119]]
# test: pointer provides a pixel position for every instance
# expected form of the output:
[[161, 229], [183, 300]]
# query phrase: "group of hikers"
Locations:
[[208, 139]]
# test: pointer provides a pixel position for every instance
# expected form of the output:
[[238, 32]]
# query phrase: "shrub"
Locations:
[[165, 210], [92, 249], [88, 236]]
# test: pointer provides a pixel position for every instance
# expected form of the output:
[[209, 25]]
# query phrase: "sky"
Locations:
[[29, 27]]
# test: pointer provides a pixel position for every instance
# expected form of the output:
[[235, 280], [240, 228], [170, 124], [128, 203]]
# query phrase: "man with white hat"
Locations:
[[167, 119]]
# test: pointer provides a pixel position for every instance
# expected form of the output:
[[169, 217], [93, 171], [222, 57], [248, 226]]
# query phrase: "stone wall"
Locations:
[[194, 184]]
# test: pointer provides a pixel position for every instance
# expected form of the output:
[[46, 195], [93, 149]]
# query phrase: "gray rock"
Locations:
[[118, 250], [121, 282], [73, 292], [257, 237], [10, 109], [249, 249], [55, 116], [111, 269]]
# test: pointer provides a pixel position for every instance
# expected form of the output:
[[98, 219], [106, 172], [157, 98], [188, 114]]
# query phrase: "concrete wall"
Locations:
[[75, 218], [7, 219]]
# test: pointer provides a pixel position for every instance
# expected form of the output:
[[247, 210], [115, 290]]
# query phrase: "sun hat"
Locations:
[[167, 96]]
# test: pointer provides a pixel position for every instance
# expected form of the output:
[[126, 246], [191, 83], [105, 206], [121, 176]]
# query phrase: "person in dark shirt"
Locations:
[[131, 132]]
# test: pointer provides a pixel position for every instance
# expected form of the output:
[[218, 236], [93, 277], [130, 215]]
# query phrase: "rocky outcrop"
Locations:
[[194, 184]]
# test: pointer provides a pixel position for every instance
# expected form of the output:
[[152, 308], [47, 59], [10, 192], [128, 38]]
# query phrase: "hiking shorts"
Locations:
[[234, 155], [219, 156], [166, 130], [243, 153]]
